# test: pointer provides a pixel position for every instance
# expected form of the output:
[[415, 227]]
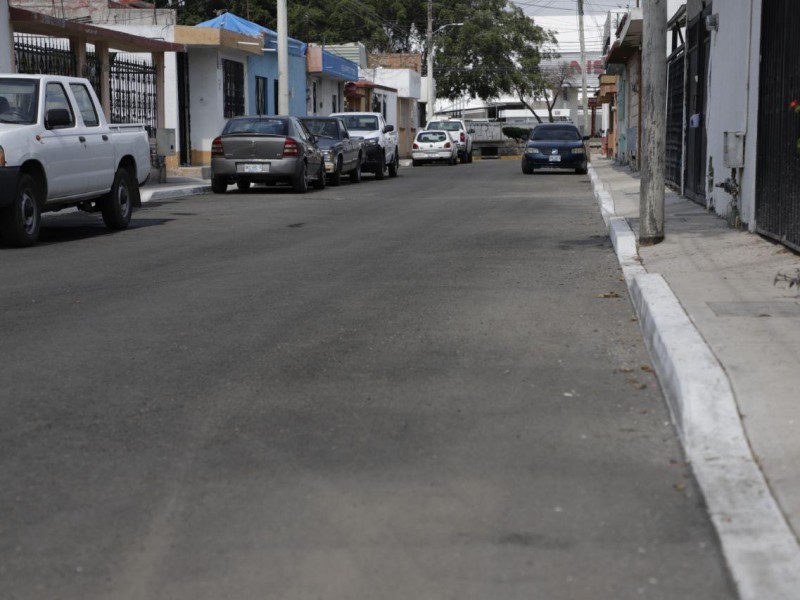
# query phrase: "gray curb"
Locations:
[[760, 548], [170, 193]]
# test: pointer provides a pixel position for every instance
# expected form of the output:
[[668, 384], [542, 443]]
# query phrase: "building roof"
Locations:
[[25, 21], [237, 24]]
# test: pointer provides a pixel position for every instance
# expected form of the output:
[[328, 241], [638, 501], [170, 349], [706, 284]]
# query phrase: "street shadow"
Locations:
[[77, 227]]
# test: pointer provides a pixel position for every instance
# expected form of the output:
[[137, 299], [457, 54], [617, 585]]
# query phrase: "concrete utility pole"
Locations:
[[429, 45], [283, 60], [585, 127], [654, 122]]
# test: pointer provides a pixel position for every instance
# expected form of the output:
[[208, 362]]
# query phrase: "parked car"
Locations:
[[435, 145], [341, 152], [57, 150], [461, 134], [380, 141], [555, 146], [266, 149]]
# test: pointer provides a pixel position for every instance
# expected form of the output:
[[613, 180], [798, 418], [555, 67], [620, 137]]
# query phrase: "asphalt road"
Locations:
[[429, 387]]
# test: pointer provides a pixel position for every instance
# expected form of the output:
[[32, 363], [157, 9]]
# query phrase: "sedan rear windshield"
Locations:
[[556, 133], [361, 122], [431, 136], [258, 126], [18, 100], [446, 125]]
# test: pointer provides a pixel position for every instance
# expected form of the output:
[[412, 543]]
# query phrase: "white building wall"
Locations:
[[6, 40], [732, 91], [327, 88], [205, 83]]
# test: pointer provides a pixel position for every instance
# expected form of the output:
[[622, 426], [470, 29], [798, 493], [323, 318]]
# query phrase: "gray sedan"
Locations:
[[266, 149]]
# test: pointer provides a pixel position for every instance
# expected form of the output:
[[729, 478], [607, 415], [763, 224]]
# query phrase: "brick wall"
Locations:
[[396, 61]]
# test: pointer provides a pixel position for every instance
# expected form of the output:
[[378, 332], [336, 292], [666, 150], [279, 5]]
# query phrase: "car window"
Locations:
[[259, 126], [56, 97], [431, 136], [362, 122], [85, 104], [556, 133]]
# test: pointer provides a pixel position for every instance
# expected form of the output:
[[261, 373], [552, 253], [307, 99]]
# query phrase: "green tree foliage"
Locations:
[[496, 51]]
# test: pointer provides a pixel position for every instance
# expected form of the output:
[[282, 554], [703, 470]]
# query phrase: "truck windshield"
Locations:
[[322, 127], [18, 100], [361, 122]]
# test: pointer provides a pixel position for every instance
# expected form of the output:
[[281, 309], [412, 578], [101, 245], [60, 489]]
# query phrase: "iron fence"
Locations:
[[40, 54]]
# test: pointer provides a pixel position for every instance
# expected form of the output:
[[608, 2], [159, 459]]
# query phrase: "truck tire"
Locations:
[[300, 181], [469, 156], [21, 220], [394, 166], [355, 174], [219, 185], [117, 206], [336, 176], [380, 173]]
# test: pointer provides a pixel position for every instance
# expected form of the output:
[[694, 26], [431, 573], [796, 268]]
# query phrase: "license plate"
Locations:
[[253, 167], [555, 158]]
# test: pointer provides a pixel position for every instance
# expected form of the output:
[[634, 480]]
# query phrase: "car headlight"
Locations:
[[579, 151], [371, 142], [326, 154], [533, 150]]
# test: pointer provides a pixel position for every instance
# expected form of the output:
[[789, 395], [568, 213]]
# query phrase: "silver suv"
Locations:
[[461, 136]]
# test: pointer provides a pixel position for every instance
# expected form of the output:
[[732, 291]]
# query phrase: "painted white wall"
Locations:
[[205, 83], [326, 89], [731, 83], [6, 40]]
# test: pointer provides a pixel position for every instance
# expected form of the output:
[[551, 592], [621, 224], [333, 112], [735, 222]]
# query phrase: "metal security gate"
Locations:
[[673, 172], [778, 161], [132, 80], [697, 52]]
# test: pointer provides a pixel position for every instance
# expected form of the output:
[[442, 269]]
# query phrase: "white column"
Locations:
[[6, 40]]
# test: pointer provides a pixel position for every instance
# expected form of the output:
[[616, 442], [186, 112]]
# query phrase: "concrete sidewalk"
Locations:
[[725, 342]]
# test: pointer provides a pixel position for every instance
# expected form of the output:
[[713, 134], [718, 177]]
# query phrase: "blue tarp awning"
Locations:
[[237, 24]]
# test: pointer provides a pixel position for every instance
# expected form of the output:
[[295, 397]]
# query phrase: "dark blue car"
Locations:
[[555, 146]]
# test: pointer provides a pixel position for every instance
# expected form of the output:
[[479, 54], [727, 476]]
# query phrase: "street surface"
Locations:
[[429, 387]]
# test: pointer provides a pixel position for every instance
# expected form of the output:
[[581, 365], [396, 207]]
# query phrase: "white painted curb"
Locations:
[[169, 193], [760, 548]]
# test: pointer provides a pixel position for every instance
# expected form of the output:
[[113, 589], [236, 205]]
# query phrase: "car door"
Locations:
[[313, 154], [61, 150], [96, 139], [350, 151]]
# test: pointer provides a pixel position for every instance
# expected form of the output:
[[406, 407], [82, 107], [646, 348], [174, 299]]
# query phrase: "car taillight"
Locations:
[[216, 147], [415, 146], [290, 148], [447, 144], [463, 137]]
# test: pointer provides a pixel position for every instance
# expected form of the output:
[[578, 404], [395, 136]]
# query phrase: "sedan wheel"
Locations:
[[300, 182]]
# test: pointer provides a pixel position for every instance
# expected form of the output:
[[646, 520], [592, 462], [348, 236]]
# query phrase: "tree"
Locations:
[[553, 79], [497, 51]]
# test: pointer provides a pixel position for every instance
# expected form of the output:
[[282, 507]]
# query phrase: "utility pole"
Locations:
[[585, 128], [654, 123], [431, 92], [283, 60]]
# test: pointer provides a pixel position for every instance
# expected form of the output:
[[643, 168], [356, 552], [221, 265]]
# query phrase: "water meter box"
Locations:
[[734, 150], [165, 142]]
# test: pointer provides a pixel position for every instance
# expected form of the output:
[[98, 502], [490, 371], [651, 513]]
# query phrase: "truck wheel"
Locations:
[[381, 171], [355, 174], [469, 156], [20, 221], [394, 165], [300, 182], [117, 205], [336, 176], [219, 185], [319, 183]]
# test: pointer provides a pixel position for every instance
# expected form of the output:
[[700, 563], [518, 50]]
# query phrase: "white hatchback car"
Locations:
[[434, 145], [462, 135]]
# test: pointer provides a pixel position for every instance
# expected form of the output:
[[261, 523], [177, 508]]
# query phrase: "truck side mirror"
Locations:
[[388, 128], [58, 117]]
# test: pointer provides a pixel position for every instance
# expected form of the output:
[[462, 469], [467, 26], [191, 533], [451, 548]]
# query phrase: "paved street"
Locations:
[[426, 387]]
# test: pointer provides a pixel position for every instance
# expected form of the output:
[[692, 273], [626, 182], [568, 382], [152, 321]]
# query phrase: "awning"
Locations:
[[25, 21], [630, 39]]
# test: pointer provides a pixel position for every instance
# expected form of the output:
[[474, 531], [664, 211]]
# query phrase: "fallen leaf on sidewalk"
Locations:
[[680, 487], [609, 295], [646, 368]]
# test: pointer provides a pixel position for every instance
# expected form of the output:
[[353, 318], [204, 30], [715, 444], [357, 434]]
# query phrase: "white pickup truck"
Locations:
[[379, 140], [57, 150]]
